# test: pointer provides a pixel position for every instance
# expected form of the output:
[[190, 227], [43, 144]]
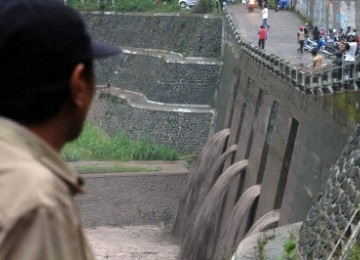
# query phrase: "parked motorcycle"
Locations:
[[310, 45], [321, 46], [330, 49]]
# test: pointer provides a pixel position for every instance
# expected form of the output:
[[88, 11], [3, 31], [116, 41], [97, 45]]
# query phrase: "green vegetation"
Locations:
[[93, 144], [289, 250], [354, 252], [271, 4], [159, 6], [204, 6], [112, 168], [125, 5], [261, 245]]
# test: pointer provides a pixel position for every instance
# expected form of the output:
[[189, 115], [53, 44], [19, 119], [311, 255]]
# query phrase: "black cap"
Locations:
[[41, 38]]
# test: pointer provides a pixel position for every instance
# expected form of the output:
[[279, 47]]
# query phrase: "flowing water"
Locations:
[[203, 231], [237, 225], [198, 174], [208, 183], [269, 220]]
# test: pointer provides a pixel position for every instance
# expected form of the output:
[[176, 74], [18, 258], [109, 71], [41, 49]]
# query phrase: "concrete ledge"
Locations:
[[273, 241]]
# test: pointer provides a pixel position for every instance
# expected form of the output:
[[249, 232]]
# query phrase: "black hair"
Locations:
[[314, 52], [36, 104]]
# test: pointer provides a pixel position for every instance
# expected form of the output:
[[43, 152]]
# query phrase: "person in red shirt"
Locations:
[[262, 37]]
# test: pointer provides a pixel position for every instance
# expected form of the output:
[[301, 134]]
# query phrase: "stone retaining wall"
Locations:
[[190, 35], [338, 201], [161, 80], [158, 70], [130, 199], [185, 131]]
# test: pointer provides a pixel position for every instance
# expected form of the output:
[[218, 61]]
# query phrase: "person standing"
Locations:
[[276, 5], [301, 39], [265, 16], [342, 35], [46, 87], [316, 36], [350, 53], [317, 60], [262, 37], [338, 62], [348, 33], [306, 33]]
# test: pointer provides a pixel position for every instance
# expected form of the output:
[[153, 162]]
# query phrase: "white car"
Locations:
[[185, 3]]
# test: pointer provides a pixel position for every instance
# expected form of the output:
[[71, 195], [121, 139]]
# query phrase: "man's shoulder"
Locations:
[[27, 185]]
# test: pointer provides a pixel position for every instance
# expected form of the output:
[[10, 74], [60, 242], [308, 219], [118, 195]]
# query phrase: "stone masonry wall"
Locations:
[[184, 131], [195, 35], [130, 199], [160, 80], [338, 201], [153, 65]]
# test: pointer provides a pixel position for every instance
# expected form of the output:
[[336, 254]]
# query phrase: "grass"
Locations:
[[94, 145], [112, 168]]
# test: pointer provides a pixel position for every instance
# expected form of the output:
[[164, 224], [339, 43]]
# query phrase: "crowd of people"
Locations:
[[344, 46]]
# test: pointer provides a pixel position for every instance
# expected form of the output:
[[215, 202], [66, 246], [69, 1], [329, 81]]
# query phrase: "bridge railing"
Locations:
[[326, 81]]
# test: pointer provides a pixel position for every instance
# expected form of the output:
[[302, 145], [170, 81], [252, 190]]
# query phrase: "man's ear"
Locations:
[[79, 86]]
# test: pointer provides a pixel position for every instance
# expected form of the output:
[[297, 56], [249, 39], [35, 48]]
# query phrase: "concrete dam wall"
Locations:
[[280, 137]]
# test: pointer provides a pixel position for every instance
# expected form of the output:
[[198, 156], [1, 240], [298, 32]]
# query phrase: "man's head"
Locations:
[[314, 52], [46, 58]]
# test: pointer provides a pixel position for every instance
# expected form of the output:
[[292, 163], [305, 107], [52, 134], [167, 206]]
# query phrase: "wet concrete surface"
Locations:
[[132, 242]]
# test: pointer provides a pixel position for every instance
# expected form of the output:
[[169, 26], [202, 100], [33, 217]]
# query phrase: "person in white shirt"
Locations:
[[350, 51], [265, 16]]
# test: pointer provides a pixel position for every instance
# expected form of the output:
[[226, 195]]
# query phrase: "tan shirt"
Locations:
[[38, 217], [301, 35]]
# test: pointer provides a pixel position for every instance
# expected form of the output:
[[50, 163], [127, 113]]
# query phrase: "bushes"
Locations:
[[204, 6], [93, 144], [125, 5], [163, 6]]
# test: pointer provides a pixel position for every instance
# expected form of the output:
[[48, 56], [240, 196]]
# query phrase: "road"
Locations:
[[281, 40]]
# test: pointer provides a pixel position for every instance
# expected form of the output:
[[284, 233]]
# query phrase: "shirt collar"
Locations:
[[20, 137]]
